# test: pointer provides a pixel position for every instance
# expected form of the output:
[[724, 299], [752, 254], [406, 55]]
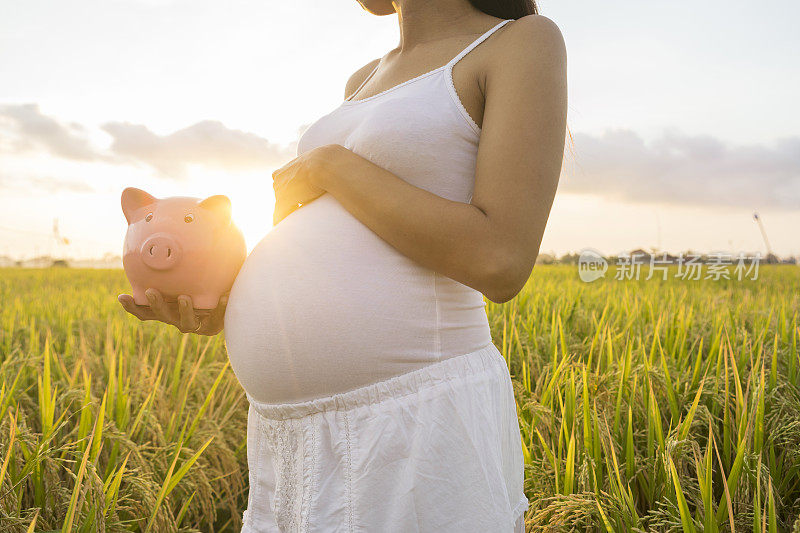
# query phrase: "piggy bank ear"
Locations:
[[133, 199], [219, 203]]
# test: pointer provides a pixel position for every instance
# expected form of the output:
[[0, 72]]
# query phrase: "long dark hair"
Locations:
[[506, 9]]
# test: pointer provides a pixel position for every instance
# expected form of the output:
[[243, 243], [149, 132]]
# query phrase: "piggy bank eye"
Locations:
[[188, 218], [149, 217]]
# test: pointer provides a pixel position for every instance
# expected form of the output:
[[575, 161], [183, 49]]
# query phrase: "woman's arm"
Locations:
[[491, 244]]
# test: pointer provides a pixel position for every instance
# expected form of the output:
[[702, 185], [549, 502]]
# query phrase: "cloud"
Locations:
[[44, 184], [674, 168], [684, 169], [208, 143], [23, 128]]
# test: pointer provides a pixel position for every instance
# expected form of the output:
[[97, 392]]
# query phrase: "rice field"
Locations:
[[644, 405]]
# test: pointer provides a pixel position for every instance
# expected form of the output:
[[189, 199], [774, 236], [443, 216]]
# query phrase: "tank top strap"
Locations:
[[475, 43], [351, 95]]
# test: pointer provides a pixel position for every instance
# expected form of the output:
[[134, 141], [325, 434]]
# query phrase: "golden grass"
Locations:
[[644, 405]]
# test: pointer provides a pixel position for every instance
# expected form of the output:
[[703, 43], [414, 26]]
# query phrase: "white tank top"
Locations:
[[323, 305]]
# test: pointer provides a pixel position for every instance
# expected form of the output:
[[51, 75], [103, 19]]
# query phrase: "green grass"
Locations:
[[115, 424], [643, 405]]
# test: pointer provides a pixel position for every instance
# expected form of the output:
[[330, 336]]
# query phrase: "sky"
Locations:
[[684, 115]]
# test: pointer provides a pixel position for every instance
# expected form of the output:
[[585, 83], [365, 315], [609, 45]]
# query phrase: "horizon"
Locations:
[[543, 257]]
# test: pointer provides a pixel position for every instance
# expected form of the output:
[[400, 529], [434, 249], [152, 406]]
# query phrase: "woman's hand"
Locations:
[[180, 314], [304, 178]]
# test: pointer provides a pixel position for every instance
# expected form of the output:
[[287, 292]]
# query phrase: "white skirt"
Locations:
[[434, 450]]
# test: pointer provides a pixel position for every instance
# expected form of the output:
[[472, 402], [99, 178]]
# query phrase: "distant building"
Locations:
[[107, 261], [42, 261], [45, 261], [639, 256]]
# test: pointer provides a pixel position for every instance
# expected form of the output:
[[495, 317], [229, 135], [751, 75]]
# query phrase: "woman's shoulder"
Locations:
[[525, 47], [358, 77], [532, 31]]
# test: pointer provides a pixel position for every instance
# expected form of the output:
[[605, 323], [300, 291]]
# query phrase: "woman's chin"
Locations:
[[378, 7]]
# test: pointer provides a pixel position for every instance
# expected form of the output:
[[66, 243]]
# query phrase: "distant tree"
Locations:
[[569, 259], [545, 259]]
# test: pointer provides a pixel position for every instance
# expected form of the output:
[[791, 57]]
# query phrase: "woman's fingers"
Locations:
[[293, 189], [142, 312], [278, 172], [280, 180], [292, 197], [160, 309], [181, 315], [217, 318], [188, 322], [283, 208], [293, 183]]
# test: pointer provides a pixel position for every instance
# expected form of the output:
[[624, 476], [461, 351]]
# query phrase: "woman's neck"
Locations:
[[422, 21]]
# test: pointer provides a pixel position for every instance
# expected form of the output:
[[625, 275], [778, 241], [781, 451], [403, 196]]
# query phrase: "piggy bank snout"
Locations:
[[160, 252]]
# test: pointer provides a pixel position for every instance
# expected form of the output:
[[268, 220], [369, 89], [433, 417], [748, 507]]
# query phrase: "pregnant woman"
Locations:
[[357, 326]]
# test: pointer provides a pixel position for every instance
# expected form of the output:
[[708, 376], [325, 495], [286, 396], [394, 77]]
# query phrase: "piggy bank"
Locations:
[[181, 245]]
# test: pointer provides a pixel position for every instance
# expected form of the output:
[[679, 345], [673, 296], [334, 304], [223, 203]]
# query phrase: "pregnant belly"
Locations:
[[323, 305]]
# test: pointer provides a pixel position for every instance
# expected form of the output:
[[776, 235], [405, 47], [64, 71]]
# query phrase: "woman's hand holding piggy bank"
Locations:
[[180, 314], [181, 256]]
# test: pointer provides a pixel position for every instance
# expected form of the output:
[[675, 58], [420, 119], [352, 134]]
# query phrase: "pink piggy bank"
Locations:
[[181, 245]]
